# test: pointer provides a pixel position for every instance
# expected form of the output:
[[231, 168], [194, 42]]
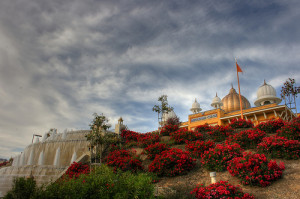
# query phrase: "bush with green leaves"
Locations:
[[102, 183], [22, 188]]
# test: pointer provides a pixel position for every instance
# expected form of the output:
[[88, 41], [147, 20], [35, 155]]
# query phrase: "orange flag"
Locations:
[[238, 68]]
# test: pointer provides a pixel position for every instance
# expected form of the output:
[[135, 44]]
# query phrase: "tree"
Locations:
[[100, 140], [289, 93], [162, 108]]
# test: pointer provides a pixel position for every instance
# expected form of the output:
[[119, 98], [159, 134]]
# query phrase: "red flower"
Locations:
[[172, 162], [155, 149], [218, 190], [76, 169], [124, 160], [255, 169], [240, 123], [216, 158]]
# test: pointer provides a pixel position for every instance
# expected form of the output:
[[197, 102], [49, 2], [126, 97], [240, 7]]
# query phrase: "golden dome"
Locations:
[[231, 102]]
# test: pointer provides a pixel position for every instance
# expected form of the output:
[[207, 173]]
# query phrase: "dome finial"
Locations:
[[216, 94], [265, 82], [195, 99], [231, 85]]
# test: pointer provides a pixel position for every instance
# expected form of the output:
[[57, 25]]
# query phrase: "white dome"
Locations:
[[168, 115], [266, 94], [216, 102], [195, 107], [195, 104]]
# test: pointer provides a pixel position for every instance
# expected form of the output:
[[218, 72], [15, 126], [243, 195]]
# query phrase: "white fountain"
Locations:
[[47, 159]]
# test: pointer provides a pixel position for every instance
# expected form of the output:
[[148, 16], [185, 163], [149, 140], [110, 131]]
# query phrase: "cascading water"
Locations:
[[57, 158], [22, 160], [74, 157], [41, 158], [46, 160], [30, 159]]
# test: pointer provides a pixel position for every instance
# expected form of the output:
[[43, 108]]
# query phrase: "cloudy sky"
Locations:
[[63, 60]]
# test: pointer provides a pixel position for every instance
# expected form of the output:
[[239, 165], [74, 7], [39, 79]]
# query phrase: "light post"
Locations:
[[36, 136]]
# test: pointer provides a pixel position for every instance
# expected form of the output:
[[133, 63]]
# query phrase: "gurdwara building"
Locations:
[[266, 108]]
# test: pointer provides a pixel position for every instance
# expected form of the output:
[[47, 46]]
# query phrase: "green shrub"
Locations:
[[102, 183], [22, 188]]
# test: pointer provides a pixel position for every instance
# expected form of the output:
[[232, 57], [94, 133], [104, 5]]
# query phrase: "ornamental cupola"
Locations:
[[266, 94], [195, 107], [216, 102]]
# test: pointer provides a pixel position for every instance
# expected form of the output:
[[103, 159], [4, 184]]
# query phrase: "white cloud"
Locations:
[[61, 61]]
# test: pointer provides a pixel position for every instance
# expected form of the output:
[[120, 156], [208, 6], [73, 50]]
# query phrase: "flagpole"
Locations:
[[237, 73]]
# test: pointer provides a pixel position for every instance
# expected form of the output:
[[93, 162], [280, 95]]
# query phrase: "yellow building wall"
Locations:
[[211, 117], [219, 117]]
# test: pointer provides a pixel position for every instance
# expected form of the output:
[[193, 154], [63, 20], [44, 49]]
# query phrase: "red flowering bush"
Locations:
[[247, 139], [172, 162], [167, 129], [255, 169], [76, 169], [296, 120], [198, 147], [290, 131], [203, 128], [155, 149], [280, 147], [270, 126], [183, 135], [219, 190], [215, 159], [240, 123], [148, 138], [130, 136], [124, 160], [4, 163], [219, 133]]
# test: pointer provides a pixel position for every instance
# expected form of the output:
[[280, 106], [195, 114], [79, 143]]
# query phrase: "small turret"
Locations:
[[195, 107], [216, 102], [266, 94]]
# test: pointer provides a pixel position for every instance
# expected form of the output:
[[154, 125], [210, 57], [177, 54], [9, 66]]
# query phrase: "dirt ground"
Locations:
[[288, 187]]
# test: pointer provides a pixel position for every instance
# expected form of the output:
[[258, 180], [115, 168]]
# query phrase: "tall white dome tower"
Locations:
[[195, 107], [266, 94], [216, 102]]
